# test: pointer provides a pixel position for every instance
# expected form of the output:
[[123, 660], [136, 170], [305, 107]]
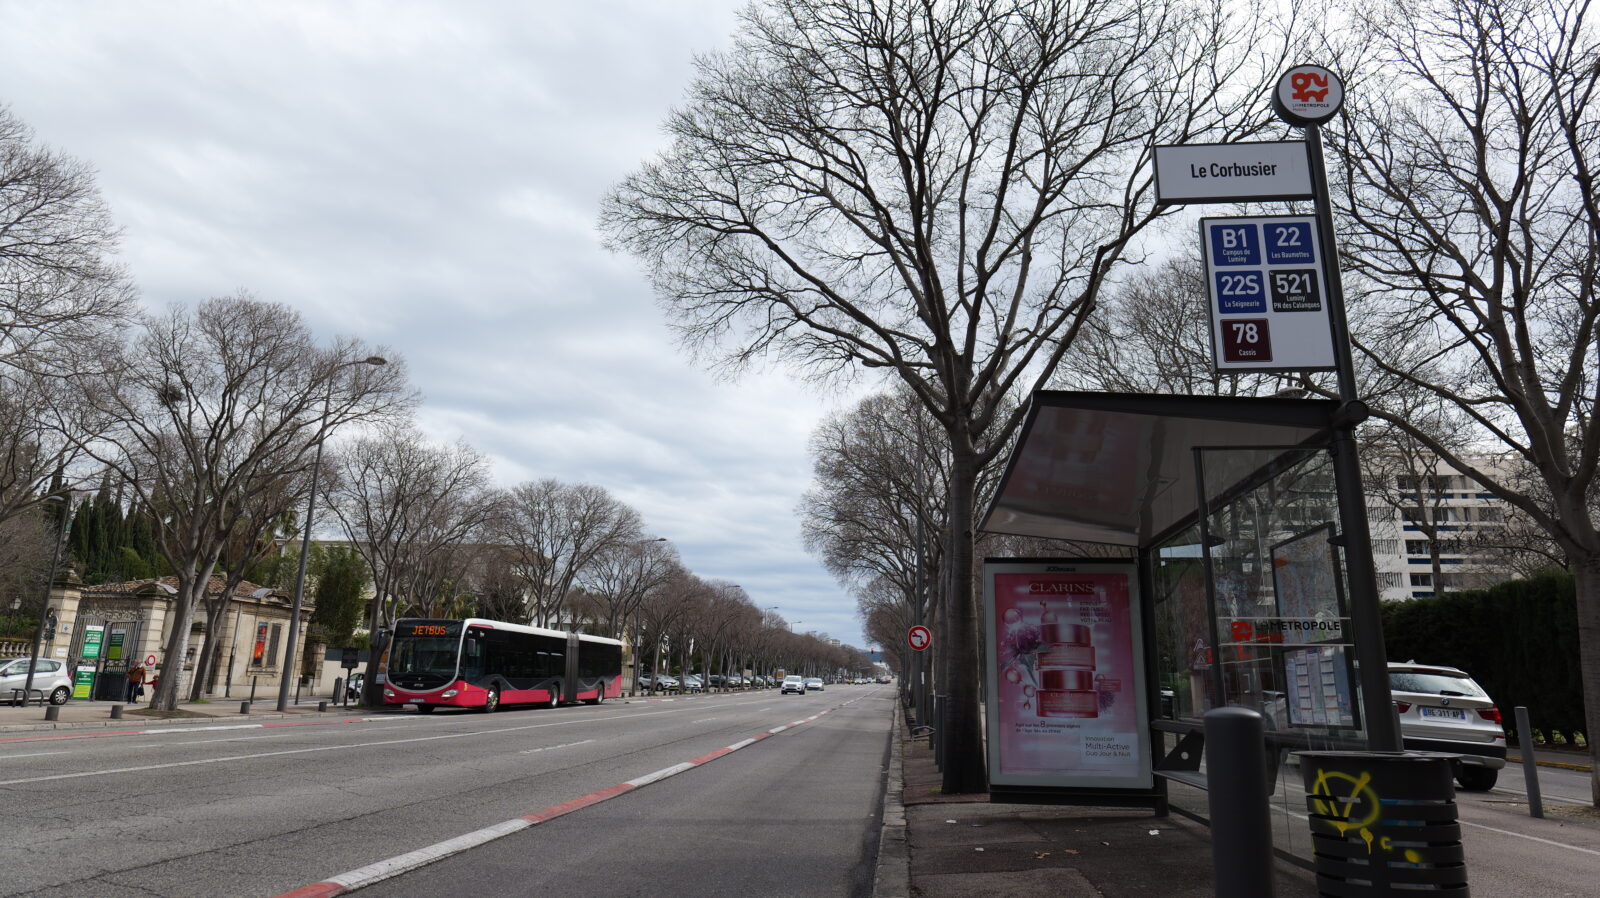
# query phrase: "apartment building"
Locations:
[[1408, 512]]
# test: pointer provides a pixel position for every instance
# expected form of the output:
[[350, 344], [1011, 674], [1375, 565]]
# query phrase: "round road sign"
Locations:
[[149, 660], [1308, 95], [919, 637]]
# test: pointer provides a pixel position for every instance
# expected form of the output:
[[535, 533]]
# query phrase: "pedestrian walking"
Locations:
[[135, 683]]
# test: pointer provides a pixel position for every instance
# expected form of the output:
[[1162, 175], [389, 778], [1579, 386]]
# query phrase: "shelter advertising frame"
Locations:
[[1067, 682]]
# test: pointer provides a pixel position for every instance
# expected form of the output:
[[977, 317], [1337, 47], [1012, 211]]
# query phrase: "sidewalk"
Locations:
[[963, 846], [80, 714]]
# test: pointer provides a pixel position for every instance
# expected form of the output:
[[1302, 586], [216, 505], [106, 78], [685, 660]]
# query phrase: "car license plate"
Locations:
[[1447, 713]]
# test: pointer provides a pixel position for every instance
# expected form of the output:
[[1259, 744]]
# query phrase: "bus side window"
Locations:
[[472, 660]]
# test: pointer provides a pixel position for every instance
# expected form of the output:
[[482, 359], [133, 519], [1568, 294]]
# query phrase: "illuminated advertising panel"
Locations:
[[1066, 675]]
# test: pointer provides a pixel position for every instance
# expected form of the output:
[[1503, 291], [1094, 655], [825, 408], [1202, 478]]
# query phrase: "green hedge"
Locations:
[[1519, 640]]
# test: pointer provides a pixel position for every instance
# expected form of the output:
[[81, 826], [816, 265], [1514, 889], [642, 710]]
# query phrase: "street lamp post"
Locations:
[[44, 610], [305, 543]]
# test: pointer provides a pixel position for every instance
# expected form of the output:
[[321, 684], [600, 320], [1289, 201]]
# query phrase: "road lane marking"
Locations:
[[320, 748], [707, 720], [403, 863], [1507, 832], [34, 754], [531, 751]]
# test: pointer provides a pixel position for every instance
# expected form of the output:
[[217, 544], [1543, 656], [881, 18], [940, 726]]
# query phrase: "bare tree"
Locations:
[[939, 189], [61, 302], [210, 411], [1472, 218], [622, 575], [403, 501], [556, 531]]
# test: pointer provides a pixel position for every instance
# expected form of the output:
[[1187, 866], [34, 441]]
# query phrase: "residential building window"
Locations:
[[1389, 580], [1491, 515], [1416, 547], [1422, 580], [1386, 547]]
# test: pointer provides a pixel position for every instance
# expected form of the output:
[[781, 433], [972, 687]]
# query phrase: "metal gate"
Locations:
[[103, 645]]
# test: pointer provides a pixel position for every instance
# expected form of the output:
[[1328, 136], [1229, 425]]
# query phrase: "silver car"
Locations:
[[51, 679], [1442, 709]]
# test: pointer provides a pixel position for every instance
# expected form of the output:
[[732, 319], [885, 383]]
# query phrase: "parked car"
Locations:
[[794, 684], [1443, 709], [658, 683], [353, 687], [691, 683], [814, 683], [51, 679]]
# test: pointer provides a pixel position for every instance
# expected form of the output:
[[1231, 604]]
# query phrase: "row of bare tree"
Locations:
[[212, 420]]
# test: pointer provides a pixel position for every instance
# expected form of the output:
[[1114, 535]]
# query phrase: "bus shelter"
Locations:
[[1230, 508]]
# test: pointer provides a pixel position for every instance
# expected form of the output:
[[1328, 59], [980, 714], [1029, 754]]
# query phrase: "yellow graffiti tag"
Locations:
[[1348, 803]]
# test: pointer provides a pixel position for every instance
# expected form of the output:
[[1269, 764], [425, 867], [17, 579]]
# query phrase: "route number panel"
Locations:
[[1268, 301]]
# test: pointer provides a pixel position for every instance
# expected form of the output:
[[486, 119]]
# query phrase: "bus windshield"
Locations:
[[424, 653]]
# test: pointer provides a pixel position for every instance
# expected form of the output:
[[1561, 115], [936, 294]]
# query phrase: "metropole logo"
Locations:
[[1308, 95]]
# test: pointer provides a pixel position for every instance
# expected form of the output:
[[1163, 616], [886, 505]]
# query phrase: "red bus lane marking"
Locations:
[[411, 860]]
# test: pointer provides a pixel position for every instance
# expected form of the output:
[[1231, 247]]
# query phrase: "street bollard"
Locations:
[[53, 712], [338, 687], [1530, 764], [116, 712], [244, 707], [1236, 789], [322, 705], [252, 688]]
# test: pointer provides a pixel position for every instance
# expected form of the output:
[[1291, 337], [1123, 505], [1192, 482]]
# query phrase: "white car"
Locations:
[[1442, 709], [813, 683], [794, 684], [51, 679]]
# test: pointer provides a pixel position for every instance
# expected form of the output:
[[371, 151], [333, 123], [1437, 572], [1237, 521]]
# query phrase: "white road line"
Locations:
[[36, 754], [703, 720], [1507, 832], [320, 748], [1543, 796], [394, 866], [741, 744], [532, 751], [661, 774]]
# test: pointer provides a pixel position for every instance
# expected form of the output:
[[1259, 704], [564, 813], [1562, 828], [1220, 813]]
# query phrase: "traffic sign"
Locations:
[[1308, 95], [1268, 299], [149, 660], [919, 637], [1232, 172]]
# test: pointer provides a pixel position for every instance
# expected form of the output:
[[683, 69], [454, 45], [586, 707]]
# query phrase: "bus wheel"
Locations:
[[424, 709], [600, 695], [492, 701], [555, 698]]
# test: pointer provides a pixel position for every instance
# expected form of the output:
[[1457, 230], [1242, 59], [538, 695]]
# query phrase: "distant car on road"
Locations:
[[793, 684], [51, 679], [1443, 709], [814, 683]]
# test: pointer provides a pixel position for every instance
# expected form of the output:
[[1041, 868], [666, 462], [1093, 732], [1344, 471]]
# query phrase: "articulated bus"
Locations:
[[476, 663]]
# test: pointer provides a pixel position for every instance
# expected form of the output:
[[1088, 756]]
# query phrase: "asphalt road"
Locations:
[[258, 810]]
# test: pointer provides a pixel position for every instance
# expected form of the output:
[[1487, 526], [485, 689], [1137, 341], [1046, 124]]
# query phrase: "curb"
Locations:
[[893, 877], [1562, 765], [142, 721]]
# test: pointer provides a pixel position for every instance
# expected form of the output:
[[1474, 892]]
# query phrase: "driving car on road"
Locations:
[[1443, 709], [51, 679], [793, 684], [814, 683]]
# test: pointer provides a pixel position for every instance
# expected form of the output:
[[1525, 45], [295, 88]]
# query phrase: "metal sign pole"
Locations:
[[1307, 96]]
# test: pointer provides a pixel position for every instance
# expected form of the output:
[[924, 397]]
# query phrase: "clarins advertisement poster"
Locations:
[[1066, 675]]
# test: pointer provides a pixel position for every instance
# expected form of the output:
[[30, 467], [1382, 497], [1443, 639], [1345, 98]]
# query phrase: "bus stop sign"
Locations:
[[919, 637]]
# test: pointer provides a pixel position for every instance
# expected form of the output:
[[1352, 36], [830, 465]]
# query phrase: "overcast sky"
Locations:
[[426, 175]]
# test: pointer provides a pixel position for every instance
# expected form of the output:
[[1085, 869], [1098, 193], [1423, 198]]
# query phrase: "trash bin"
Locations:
[[1384, 824]]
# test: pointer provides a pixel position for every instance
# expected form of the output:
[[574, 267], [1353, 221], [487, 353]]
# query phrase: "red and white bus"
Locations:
[[477, 663]]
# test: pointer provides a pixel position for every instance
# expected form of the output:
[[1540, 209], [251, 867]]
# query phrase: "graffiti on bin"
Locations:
[[1349, 804]]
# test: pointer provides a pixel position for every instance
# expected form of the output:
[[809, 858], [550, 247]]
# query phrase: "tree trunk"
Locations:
[[1586, 577], [205, 670], [965, 769], [189, 592]]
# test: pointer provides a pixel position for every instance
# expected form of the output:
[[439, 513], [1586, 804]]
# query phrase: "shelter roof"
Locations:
[[1119, 468]]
